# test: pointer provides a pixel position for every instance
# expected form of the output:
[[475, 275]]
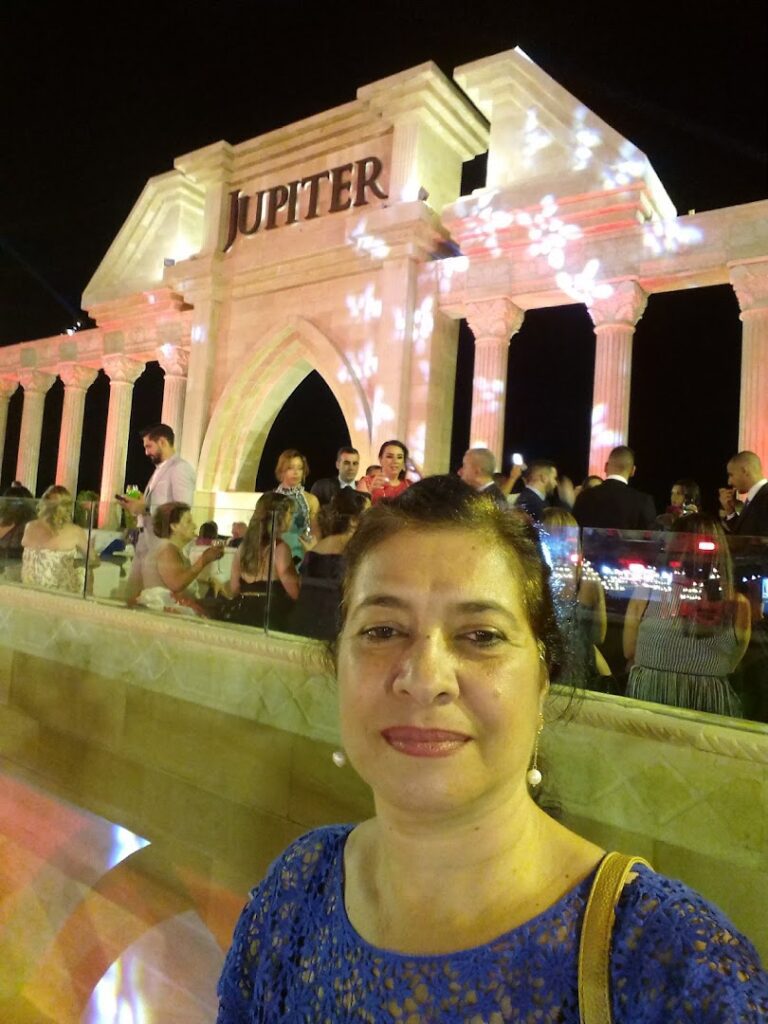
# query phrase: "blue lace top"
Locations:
[[296, 958]]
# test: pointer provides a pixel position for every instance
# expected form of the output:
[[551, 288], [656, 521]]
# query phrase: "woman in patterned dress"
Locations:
[[686, 636], [52, 545], [291, 471], [461, 901]]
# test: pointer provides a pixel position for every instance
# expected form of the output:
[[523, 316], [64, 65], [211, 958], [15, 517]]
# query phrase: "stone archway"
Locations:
[[257, 390]]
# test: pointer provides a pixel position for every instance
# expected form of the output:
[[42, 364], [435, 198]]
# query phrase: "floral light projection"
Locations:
[[601, 435], [662, 236], [366, 243], [364, 306], [487, 392], [534, 137], [583, 286], [549, 234]]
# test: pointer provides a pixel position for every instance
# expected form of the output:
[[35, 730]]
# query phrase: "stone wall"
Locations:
[[214, 742]]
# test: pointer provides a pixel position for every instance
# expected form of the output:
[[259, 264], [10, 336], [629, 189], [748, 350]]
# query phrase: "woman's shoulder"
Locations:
[[313, 853], [670, 941]]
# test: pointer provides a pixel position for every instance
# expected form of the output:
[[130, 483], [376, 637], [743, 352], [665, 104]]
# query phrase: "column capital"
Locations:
[[35, 381], [173, 359], [7, 387], [494, 320], [750, 282], [622, 308], [76, 376], [122, 370]]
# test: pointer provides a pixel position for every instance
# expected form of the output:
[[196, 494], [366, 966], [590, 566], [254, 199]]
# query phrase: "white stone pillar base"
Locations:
[[36, 385], [122, 373], [750, 282], [77, 380], [493, 322], [614, 317]]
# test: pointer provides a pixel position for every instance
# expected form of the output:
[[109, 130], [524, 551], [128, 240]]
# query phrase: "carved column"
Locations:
[[493, 322], [7, 388], [77, 379], [174, 361], [750, 282], [122, 373], [36, 385], [614, 318]]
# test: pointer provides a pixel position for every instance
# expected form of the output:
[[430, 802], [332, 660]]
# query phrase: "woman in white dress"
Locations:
[[53, 546]]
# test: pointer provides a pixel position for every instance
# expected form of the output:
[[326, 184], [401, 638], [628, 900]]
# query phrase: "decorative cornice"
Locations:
[[173, 359], [122, 370], [750, 282], [310, 654], [622, 308], [494, 320], [737, 738], [75, 376], [35, 381]]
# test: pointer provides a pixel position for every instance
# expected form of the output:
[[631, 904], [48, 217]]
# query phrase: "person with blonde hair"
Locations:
[[291, 472], [53, 544]]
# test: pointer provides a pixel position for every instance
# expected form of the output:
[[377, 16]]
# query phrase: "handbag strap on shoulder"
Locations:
[[595, 943]]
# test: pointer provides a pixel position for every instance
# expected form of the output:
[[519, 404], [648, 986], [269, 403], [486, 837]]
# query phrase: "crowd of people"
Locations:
[[454, 603], [678, 636]]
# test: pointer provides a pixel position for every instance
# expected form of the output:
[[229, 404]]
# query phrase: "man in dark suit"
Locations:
[[347, 465], [745, 476], [540, 486], [477, 469], [614, 504]]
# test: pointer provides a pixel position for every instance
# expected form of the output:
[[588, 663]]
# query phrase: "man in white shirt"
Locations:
[[173, 480], [745, 476]]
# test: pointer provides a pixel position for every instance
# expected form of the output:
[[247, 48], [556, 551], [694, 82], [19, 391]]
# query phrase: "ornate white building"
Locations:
[[324, 245]]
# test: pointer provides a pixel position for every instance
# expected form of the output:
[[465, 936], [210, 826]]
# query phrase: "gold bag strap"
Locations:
[[595, 944]]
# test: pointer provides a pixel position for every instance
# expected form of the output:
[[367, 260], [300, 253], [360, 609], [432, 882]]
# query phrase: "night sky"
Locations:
[[97, 99]]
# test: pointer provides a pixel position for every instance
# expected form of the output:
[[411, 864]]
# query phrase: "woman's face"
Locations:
[[392, 461], [293, 473], [677, 496], [185, 530], [440, 680]]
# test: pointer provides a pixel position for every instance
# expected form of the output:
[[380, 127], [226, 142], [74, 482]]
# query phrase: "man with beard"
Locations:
[[172, 480]]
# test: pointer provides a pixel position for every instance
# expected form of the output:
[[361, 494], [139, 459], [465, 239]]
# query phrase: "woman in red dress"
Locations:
[[391, 481]]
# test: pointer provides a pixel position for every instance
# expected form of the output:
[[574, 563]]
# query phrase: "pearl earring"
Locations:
[[339, 758], [533, 777]]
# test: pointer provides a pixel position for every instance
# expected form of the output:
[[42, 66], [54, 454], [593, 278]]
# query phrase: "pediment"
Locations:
[[546, 142]]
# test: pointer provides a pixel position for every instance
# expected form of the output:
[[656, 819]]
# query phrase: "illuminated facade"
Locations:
[[325, 245]]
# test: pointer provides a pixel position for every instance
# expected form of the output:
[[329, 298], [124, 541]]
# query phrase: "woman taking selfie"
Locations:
[[461, 900]]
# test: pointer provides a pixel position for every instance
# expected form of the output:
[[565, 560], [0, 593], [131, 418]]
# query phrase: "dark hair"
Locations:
[[336, 516], [446, 502], [157, 431], [685, 552], [166, 516], [396, 444], [270, 508], [346, 450], [208, 531], [691, 491], [17, 505], [536, 464], [372, 469]]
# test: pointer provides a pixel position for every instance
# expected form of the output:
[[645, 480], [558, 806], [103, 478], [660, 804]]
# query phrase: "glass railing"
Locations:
[[672, 618]]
